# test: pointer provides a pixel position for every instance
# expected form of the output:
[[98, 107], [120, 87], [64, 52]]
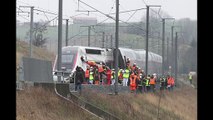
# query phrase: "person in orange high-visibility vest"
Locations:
[[169, 82], [108, 74], [90, 63], [87, 74], [101, 72], [152, 83], [172, 82], [133, 82]]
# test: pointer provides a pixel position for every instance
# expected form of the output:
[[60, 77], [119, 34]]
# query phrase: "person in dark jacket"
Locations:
[[79, 78]]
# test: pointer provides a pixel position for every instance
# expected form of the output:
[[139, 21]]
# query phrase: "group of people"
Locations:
[[132, 76]]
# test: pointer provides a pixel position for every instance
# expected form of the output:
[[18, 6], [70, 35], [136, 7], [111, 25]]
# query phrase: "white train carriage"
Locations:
[[138, 56], [71, 58]]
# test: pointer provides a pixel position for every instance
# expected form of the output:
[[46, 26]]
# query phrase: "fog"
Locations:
[[175, 8]]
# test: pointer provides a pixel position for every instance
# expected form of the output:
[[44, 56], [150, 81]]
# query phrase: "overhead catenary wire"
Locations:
[[84, 10], [49, 12], [110, 16], [46, 11], [43, 10], [23, 17], [45, 24], [106, 14], [158, 13], [124, 9], [144, 2], [98, 34], [46, 16], [106, 43], [23, 2], [131, 16], [86, 29], [96, 9], [34, 12], [22, 10], [130, 10], [112, 6]]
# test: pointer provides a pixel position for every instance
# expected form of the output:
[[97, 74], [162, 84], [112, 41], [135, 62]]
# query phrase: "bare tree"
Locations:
[[38, 32]]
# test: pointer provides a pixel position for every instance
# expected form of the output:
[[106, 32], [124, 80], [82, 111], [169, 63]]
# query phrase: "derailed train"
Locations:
[[71, 58]]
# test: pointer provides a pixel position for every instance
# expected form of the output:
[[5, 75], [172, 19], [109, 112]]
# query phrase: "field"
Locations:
[[180, 104], [41, 104], [22, 49]]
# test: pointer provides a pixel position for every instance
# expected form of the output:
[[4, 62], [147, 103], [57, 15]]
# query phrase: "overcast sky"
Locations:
[[175, 8]]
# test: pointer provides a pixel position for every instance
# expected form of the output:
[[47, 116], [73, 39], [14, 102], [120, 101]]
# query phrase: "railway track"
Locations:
[[63, 91]]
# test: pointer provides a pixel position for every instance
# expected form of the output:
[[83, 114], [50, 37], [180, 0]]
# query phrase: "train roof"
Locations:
[[128, 52], [140, 54], [85, 47]]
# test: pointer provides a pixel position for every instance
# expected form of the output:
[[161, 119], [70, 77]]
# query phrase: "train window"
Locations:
[[93, 51], [67, 58], [68, 51]]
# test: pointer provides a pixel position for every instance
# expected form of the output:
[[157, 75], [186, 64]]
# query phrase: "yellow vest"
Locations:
[[126, 74], [91, 76], [190, 77]]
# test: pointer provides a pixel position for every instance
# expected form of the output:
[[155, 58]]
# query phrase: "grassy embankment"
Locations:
[[180, 104], [41, 104]]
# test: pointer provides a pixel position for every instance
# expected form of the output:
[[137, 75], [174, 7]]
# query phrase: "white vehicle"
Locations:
[[138, 56], [71, 58]]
